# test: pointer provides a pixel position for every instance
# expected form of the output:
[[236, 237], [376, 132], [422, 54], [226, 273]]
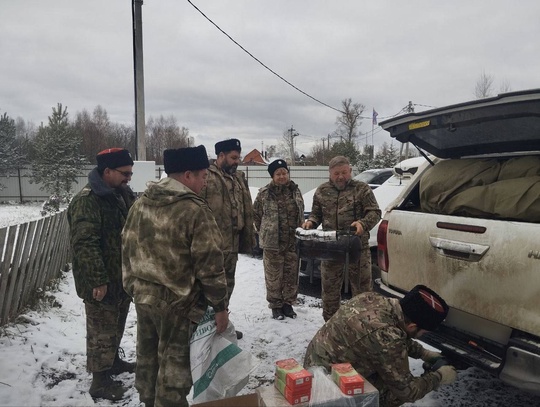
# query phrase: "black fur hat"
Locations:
[[113, 158], [274, 165], [185, 159], [228, 145], [424, 307]]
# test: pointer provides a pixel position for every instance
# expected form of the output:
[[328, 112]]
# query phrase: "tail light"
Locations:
[[382, 247]]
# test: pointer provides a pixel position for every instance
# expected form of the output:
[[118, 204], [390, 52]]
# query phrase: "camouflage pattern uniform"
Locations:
[[369, 333], [173, 269], [278, 211], [96, 216], [336, 210], [230, 200]]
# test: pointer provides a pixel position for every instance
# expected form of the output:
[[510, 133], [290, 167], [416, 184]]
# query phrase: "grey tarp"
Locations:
[[488, 188]]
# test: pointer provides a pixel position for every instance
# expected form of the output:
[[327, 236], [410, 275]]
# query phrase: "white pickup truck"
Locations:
[[468, 226]]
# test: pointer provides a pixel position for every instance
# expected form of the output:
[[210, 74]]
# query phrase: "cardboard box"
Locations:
[[301, 394], [247, 400], [292, 373], [347, 379]]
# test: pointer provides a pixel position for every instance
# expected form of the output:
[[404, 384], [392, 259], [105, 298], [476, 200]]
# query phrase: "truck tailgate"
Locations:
[[467, 261]]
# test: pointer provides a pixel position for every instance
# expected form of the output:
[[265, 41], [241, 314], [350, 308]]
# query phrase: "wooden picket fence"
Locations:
[[33, 255]]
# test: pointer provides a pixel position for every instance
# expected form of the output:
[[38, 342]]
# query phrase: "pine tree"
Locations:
[[57, 159], [10, 156]]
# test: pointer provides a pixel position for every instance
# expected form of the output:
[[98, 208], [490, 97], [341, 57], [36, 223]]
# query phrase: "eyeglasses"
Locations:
[[126, 174]]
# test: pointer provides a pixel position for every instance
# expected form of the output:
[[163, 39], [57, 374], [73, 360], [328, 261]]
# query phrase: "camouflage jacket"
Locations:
[[172, 251], [369, 332], [96, 216], [336, 209], [230, 200], [278, 211]]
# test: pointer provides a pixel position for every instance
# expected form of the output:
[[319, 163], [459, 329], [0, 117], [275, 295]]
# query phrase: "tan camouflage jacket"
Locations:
[[171, 251], [278, 211], [369, 332], [230, 200], [336, 209], [96, 216]]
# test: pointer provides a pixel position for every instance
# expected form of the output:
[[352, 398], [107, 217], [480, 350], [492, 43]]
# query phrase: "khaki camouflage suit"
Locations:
[[230, 200], [336, 210], [96, 216], [369, 332], [278, 211], [173, 268]]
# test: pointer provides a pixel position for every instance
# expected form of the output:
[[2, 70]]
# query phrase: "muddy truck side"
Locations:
[[468, 226]]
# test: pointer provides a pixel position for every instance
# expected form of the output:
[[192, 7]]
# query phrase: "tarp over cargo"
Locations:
[[487, 188]]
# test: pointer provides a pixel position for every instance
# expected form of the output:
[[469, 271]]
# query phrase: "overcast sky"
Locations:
[[382, 54]]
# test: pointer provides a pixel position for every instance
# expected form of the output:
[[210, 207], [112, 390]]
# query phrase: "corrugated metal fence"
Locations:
[[33, 254], [19, 188]]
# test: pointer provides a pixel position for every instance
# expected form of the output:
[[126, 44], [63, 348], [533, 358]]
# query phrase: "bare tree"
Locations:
[[351, 119], [504, 86], [161, 134], [484, 86], [287, 145]]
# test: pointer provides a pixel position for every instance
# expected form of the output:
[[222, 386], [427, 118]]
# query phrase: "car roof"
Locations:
[[509, 122]]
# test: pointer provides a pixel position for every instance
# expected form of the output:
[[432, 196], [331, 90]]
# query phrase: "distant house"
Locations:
[[254, 157]]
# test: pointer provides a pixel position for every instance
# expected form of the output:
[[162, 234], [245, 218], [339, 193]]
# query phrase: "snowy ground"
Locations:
[[42, 354]]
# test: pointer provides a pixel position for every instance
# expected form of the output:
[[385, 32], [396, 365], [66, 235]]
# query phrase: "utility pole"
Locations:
[[292, 135], [140, 127]]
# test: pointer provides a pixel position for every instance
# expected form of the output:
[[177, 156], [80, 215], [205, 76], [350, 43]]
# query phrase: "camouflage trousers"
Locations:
[[105, 325], [229, 263], [281, 277], [163, 373], [332, 276]]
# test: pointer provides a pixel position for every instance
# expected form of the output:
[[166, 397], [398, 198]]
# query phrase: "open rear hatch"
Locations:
[[502, 124]]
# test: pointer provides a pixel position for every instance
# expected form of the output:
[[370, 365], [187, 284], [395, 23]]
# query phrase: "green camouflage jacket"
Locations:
[[336, 209], [96, 216], [369, 332], [278, 211], [230, 200], [172, 251]]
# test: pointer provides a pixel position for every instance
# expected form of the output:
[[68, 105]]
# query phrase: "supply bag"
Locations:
[[219, 368]]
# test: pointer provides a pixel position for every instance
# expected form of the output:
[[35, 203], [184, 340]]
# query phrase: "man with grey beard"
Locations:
[[227, 194], [339, 204]]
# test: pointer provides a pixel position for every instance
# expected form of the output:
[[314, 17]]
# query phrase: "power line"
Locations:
[[256, 59]]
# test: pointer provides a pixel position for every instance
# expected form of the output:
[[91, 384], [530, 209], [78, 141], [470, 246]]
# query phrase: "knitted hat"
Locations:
[[228, 145], [185, 159], [113, 158], [424, 307], [274, 165]]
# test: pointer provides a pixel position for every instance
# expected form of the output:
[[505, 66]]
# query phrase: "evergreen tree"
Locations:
[[10, 155], [347, 149], [57, 159]]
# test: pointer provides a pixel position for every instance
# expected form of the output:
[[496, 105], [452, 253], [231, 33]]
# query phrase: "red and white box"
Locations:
[[347, 379], [290, 372], [301, 394]]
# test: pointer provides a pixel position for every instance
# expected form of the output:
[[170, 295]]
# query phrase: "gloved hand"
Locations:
[[430, 357], [448, 374]]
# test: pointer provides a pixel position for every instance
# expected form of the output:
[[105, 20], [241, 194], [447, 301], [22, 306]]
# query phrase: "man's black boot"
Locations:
[[121, 366], [288, 311], [277, 313], [103, 387]]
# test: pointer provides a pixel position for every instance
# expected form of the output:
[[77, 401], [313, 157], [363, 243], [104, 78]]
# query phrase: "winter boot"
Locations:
[[277, 313], [121, 366], [239, 335], [288, 311], [103, 387]]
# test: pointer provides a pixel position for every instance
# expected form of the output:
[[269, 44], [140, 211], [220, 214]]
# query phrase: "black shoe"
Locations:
[[277, 314], [288, 311], [121, 366], [103, 387], [239, 335]]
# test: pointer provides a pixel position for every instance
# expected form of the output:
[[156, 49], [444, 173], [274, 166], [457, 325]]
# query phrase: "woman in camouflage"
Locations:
[[278, 211]]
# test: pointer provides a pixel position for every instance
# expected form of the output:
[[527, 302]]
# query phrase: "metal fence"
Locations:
[[18, 186], [33, 254]]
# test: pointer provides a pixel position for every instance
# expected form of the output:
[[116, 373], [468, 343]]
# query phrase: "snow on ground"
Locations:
[[42, 354]]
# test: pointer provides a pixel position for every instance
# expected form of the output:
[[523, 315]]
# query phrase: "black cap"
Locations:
[[228, 145], [274, 165], [424, 307], [185, 159], [113, 158]]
